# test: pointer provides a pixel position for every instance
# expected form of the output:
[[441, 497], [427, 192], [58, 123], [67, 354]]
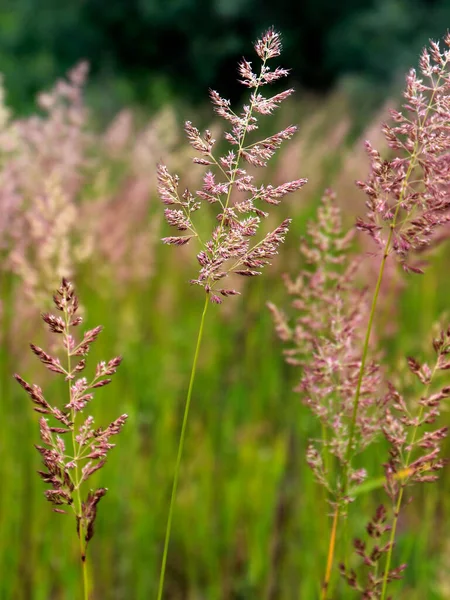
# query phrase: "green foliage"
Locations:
[[237, 453], [247, 438], [146, 51]]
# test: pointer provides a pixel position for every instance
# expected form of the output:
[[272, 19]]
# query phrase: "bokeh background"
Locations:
[[78, 151]]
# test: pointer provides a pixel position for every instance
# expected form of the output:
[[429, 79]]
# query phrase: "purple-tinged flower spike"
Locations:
[[325, 341], [415, 450], [414, 457], [231, 249], [370, 584], [234, 248], [408, 195], [70, 460]]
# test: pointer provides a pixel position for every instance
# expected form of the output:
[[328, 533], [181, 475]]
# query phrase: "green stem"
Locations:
[[387, 566], [364, 358], [412, 165], [400, 496], [330, 557], [84, 567], [77, 476], [180, 452]]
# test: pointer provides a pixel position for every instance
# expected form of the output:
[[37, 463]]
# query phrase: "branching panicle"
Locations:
[[407, 195], [67, 469], [326, 340], [414, 454], [230, 249], [414, 457], [369, 582], [414, 449]]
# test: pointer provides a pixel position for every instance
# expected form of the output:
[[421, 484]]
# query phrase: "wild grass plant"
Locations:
[[407, 202], [230, 250], [70, 460], [249, 520]]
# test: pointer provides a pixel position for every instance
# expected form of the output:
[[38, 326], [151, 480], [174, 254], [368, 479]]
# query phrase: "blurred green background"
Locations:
[[78, 198], [150, 52]]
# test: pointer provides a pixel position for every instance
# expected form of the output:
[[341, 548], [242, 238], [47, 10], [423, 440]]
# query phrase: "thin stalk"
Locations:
[[180, 451], [391, 542], [365, 352], [330, 557], [81, 533], [406, 181], [84, 568]]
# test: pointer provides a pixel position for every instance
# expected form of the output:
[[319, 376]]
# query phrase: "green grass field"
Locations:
[[250, 521]]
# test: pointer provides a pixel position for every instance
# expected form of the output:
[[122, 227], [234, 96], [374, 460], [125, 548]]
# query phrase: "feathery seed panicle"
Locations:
[[67, 469], [370, 584], [228, 185], [325, 341], [407, 202], [414, 457], [230, 249], [408, 195], [413, 449], [42, 176]]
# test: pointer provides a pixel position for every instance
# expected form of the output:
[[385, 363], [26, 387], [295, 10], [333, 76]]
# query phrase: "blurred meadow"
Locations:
[[78, 199]]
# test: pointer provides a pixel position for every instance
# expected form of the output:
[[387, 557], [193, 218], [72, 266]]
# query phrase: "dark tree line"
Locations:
[[144, 51]]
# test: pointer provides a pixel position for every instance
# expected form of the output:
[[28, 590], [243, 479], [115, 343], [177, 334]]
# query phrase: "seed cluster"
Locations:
[[72, 451]]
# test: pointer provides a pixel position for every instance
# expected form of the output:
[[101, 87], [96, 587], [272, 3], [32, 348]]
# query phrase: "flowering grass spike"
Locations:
[[407, 202], [72, 449], [326, 341], [238, 198], [407, 195]]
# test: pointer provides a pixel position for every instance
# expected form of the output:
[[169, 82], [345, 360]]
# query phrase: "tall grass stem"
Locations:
[[81, 533], [85, 572], [330, 556], [180, 451]]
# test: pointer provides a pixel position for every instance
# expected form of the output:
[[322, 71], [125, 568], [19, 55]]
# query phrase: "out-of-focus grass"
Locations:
[[244, 416]]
